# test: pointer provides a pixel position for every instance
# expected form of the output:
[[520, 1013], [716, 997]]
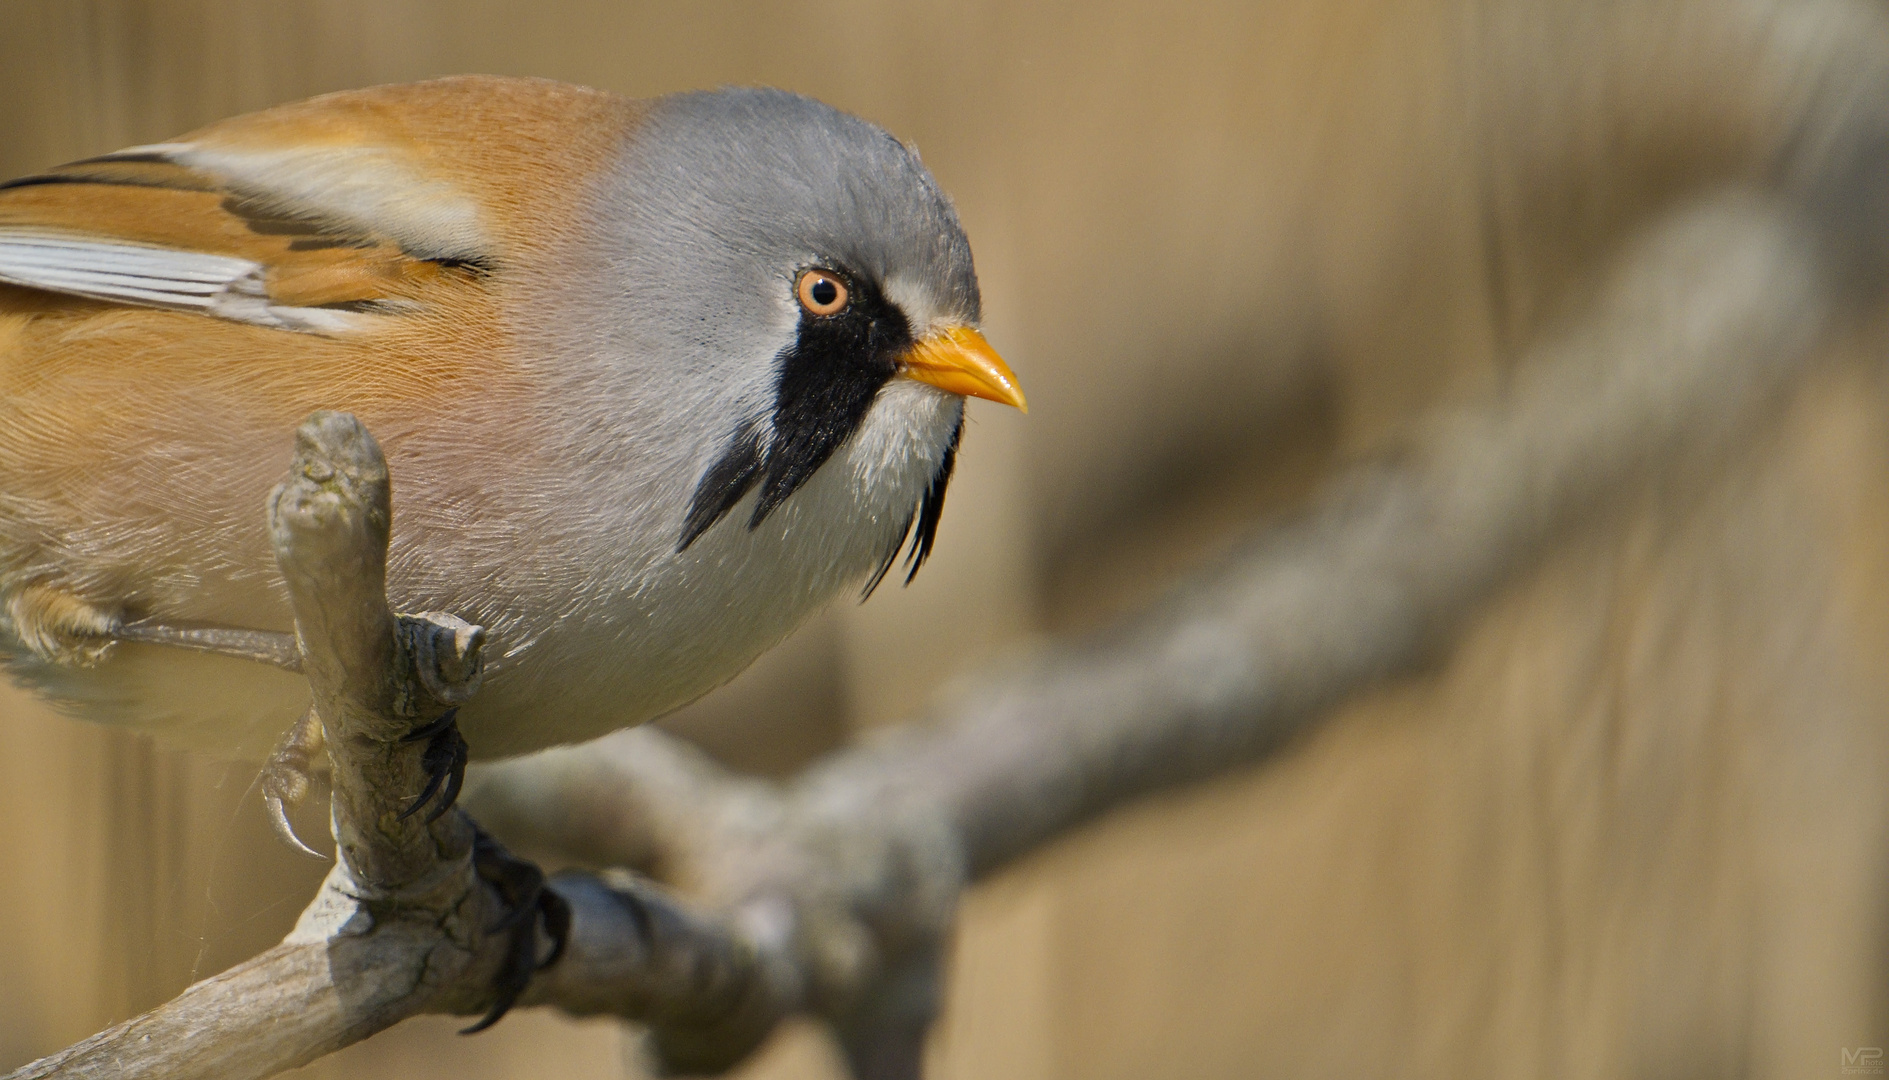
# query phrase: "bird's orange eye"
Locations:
[[821, 292]]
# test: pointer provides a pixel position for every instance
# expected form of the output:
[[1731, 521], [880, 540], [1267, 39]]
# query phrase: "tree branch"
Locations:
[[1692, 346]]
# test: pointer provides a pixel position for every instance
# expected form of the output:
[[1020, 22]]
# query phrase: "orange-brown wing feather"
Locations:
[[354, 199], [304, 258], [136, 444]]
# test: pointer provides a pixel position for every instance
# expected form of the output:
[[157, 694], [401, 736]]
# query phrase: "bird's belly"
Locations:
[[552, 678], [646, 651]]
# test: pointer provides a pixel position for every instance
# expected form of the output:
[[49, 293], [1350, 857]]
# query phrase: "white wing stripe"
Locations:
[[167, 262], [124, 272], [218, 285], [29, 260], [103, 290], [140, 296], [136, 281]]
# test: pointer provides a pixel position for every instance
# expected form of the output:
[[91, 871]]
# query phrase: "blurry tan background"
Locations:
[[1635, 825]]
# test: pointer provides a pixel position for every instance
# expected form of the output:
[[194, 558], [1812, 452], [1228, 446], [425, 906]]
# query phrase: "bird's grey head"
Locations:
[[757, 179], [788, 261]]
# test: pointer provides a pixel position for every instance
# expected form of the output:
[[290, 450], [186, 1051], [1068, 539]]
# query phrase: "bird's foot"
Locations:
[[288, 775], [56, 626], [445, 764], [528, 904]]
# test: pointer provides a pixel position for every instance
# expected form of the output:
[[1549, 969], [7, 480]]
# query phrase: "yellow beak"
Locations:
[[960, 361]]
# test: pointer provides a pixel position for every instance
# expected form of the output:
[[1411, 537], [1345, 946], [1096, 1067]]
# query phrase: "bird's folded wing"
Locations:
[[327, 236]]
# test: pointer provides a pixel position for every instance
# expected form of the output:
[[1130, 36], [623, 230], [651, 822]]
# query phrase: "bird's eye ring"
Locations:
[[821, 292]]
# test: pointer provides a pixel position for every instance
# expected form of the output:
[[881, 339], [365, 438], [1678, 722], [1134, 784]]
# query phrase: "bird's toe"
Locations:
[[529, 904], [445, 764], [289, 774]]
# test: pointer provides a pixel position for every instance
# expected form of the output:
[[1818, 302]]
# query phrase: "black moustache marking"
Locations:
[[725, 482], [829, 378], [891, 556], [930, 509]]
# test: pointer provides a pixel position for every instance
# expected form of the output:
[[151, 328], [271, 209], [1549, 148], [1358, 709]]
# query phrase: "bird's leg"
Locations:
[[287, 776], [262, 646], [444, 761], [527, 903], [56, 625]]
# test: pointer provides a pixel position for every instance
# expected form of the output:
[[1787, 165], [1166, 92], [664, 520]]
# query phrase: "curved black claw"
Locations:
[[286, 778], [527, 901], [445, 764]]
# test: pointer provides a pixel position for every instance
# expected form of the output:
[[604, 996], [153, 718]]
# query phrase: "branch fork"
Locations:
[[409, 921]]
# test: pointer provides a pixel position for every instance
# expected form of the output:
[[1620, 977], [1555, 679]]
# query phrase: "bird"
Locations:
[[655, 379]]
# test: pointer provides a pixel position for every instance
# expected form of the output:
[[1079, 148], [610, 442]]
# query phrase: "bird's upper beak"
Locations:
[[958, 359]]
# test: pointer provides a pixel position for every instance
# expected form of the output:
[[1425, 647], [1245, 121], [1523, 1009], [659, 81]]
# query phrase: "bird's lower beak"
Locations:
[[960, 361]]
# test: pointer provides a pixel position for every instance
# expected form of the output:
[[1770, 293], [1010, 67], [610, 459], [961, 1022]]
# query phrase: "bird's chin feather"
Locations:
[[683, 622]]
